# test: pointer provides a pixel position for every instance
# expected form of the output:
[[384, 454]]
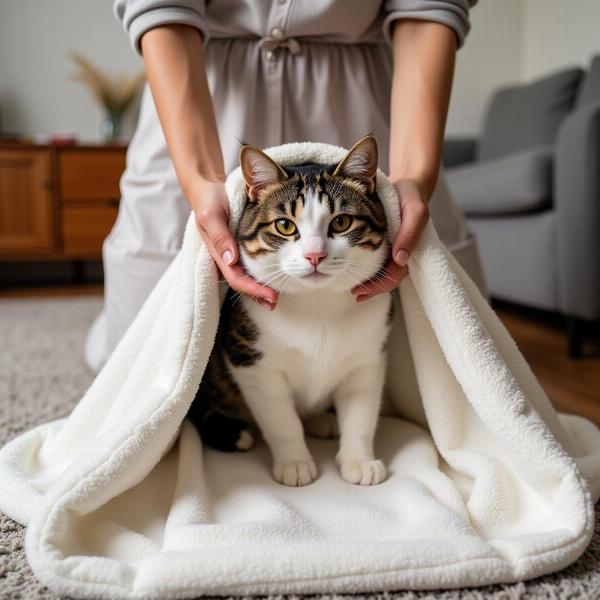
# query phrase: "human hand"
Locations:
[[414, 215], [211, 210]]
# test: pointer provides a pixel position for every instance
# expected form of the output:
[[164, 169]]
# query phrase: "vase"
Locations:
[[111, 128]]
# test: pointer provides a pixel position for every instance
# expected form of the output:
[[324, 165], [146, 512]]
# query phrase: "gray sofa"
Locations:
[[530, 187]]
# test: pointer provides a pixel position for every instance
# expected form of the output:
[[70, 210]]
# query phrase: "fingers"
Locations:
[[385, 282], [238, 279], [212, 222], [241, 282], [414, 216]]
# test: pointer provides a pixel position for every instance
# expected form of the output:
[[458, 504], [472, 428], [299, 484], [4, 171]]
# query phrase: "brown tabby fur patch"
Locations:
[[218, 410]]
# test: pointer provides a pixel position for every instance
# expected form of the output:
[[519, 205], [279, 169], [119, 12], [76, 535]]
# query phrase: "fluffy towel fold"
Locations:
[[487, 482]]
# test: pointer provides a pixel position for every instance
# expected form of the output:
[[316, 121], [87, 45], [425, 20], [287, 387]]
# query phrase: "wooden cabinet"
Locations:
[[57, 203], [91, 174], [27, 219], [88, 196]]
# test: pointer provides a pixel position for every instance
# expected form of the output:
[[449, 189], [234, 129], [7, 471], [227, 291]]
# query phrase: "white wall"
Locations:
[[518, 40], [510, 40], [36, 95], [490, 57], [558, 33]]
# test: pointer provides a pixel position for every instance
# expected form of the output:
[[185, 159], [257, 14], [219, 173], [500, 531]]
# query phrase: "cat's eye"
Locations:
[[285, 227], [341, 223]]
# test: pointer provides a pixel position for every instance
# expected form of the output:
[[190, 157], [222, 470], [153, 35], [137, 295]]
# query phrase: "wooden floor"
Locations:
[[572, 385]]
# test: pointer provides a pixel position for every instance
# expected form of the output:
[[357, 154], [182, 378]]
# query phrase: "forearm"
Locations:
[[174, 60], [424, 54]]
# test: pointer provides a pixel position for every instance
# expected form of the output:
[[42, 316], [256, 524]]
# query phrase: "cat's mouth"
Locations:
[[315, 275]]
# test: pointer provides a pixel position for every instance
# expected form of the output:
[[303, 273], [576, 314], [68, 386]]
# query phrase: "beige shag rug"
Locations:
[[42, 376]]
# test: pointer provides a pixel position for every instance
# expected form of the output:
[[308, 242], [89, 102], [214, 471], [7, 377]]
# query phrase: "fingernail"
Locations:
[[228, 257], [266, 304], [362, 297], [401, 257]]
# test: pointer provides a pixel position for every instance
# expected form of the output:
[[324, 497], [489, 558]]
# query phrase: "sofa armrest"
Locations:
[[577, 201], [458, 151]]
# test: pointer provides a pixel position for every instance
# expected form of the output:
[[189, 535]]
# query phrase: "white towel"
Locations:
[[487, 483]]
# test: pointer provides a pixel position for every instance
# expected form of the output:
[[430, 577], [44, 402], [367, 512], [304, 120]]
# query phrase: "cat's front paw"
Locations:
[[295, 473], [363, 472]]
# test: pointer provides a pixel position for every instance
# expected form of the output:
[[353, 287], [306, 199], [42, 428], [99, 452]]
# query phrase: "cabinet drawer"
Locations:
[[85, 227], [90, 175]]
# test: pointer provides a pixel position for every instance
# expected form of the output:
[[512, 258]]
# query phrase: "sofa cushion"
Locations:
[[525, 116], [517, 253], [517, 183], [589, 90]]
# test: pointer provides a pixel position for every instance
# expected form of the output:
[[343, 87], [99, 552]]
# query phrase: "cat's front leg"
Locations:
[[357, 400], [270, 399]]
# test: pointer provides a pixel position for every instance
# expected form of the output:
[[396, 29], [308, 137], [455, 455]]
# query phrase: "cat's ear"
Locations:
[[259, 171], [361, 162]]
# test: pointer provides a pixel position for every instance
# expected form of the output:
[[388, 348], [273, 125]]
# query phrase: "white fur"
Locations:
[[319, 347]]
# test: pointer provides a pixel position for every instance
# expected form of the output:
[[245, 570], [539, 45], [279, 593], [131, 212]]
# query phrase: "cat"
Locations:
[[312, 232]]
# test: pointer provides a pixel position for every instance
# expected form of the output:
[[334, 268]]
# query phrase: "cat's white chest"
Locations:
[[316, 347]]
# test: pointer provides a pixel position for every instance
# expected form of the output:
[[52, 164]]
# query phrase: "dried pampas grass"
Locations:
[[114, 94]]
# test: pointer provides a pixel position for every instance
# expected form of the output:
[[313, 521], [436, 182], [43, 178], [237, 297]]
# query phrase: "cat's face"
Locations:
[[312, 226]]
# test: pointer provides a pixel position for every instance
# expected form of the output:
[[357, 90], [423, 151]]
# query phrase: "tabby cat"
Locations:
[[311, 232]]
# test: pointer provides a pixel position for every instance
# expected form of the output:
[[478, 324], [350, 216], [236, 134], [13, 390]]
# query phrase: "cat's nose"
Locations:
[[315, 257]]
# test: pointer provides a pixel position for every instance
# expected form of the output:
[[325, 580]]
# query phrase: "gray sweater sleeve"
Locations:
[[454, 13], [138, 16]]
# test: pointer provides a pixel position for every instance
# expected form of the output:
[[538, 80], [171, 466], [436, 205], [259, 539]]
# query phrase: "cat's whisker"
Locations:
[[288, 281], [362, 286], [373, 280], [237, 295], [250, 275], [373, 277], [355, 279]]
